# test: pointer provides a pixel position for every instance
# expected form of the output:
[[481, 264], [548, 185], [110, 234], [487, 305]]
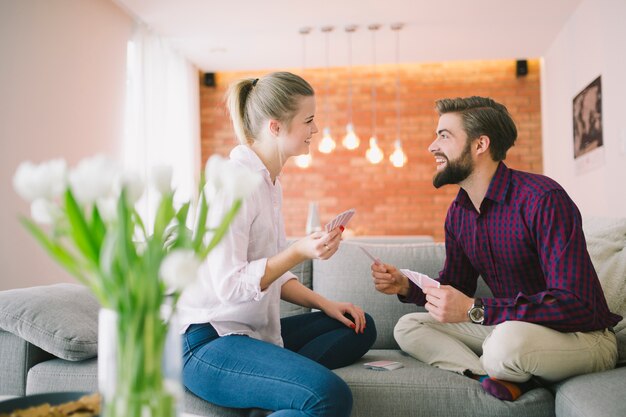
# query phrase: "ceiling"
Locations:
[[265, 34]]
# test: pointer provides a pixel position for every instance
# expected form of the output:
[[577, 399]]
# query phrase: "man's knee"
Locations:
[[504, 350], [405, 329]]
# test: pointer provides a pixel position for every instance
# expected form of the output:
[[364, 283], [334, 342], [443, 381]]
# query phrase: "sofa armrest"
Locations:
[[17, 356]]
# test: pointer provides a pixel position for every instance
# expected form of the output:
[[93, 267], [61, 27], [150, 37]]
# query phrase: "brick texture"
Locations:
[[388, 200]]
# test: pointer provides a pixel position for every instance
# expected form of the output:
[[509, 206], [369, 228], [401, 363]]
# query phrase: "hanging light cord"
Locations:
[[397, 84], [349, 77], [373, 29], [326, 112]]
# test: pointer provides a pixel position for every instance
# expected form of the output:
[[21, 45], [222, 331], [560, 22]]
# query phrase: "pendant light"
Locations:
[[374, 154], [351, 140], [305, 160], [398, 157], [327, 144]]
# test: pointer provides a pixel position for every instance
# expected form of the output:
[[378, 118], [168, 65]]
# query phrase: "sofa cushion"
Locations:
[[422, 390], [592, 395], [59, 375], [606, 243], [347, 277], [61, 319]]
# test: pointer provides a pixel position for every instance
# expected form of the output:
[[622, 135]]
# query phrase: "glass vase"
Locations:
[[139, 365]]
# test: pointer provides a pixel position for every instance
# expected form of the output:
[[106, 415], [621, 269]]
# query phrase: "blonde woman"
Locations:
[[238, 352]]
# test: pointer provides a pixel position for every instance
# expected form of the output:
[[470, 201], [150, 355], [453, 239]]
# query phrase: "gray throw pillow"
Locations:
[[61, 319]]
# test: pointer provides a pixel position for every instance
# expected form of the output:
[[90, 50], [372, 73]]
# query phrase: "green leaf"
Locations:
[[200, 226], [126, 251], [165, 214], [180, 236], [98, 228], [218, 234], [79, 230], [55, 250], [139, 222]]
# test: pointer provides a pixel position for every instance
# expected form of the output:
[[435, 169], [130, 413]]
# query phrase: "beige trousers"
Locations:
[[512, 351]]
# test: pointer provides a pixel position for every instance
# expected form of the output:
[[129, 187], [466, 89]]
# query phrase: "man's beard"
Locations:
[[455, 171]]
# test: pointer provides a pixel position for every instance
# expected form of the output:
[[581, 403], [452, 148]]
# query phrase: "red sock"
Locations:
[[505, 390]]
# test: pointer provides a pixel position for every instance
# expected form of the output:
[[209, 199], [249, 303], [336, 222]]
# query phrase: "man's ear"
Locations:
[[482, 144], [274, 126]]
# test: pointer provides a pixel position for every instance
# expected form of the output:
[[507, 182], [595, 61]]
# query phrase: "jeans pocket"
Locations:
[[198, 335]]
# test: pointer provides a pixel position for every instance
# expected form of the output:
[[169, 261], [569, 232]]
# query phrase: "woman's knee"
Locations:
[[369, 332], [332, 396]]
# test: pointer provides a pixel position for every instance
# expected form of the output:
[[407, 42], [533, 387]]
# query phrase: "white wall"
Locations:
[[592, 43], [62, 86]]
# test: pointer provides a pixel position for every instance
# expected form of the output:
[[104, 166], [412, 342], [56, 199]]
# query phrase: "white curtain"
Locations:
[[162, 115]]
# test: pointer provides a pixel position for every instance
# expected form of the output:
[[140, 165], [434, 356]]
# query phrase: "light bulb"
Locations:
[[351, 140], [374, 154], [327, 144], [398, 157], [304, 160]]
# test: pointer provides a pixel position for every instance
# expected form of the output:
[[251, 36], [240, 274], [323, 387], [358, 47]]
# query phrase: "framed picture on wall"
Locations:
[[587, 118]]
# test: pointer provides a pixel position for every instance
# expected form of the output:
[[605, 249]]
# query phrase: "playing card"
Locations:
[[376, 260], [419, 279], [383, 365], [341, 219], [347, 216]]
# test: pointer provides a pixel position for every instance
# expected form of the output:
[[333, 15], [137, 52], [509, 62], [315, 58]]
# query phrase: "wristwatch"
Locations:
[[477, 313]]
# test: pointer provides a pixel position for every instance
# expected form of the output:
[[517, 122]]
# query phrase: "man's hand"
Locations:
[[389, 280], [447, 304]]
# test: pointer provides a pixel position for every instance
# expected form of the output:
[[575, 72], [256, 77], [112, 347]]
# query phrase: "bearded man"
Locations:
[[548, 318]]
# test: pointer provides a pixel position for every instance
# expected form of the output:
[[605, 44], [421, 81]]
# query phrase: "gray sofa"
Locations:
[[48, 340]]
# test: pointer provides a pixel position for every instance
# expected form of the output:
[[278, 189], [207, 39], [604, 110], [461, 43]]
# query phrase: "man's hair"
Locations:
[[483, 116]]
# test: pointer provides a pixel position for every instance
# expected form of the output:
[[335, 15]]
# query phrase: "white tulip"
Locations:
[[179, 268], [162, 178], [94, 178], [133, 185], [239, 180], [107, 208], [43, 211], [225, 175], [46, 180], [212, 175]]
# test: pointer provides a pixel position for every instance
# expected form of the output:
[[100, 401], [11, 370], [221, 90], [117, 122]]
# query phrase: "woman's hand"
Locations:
[[338, 311], [320, 245]]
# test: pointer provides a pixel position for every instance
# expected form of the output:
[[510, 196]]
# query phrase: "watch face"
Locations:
[[477, 314]]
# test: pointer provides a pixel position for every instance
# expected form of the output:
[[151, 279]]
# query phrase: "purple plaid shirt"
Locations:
[[528, 245]]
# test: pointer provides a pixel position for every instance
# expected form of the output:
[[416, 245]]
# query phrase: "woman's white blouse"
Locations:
[[227, 293]]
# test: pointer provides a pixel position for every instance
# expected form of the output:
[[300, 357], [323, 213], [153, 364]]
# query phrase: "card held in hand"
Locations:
[[419, 279], [341, 219], [375, 259]]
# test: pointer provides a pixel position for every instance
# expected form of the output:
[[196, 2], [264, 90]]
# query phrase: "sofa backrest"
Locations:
[[347, 277], [304, 270]]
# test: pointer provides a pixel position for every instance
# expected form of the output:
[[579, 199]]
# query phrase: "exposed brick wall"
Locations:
[[388, 200]]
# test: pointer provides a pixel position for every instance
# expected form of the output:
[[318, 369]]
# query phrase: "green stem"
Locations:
[[140, 388]]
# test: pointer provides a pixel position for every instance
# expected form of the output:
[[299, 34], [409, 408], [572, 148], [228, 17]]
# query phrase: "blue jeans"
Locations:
[[242, 372]]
